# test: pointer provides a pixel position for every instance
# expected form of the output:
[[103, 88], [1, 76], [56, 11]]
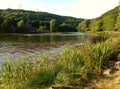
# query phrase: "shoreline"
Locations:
[[35, 50], [47, 46]]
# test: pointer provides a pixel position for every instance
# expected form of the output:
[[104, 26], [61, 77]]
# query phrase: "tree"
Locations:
[[6, 25], [21, 26], [96, 25], [1, 20], [17, 20], [109, 22], [20, 23], [117, 24], [83, 26], [66, 28], [42, 29], [53, 25]]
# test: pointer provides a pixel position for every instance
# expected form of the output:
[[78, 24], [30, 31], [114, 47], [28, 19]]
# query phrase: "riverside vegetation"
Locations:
[[72, 68]]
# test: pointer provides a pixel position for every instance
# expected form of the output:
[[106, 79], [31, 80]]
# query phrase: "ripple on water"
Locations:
[[14, 46]]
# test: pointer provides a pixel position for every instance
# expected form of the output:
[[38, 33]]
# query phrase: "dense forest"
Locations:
[[30, 21], [110, 21], [22, 21]]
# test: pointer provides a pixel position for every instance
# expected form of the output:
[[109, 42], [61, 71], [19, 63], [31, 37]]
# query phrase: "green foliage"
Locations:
[[117, 25], [71, 67], [46, 78], [42, 29], [20, 24], [53, 25], [99, 37], [83, 26], [107, 22], [16, 70], [1, 20], [6, 25], [109, 19], [9, 20], [96, 25], [66, 28]]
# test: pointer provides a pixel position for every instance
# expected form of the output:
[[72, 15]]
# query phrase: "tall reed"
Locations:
[[73, 65]]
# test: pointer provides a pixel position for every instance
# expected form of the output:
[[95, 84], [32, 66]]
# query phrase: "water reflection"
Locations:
[[39, 38], [10, 44]]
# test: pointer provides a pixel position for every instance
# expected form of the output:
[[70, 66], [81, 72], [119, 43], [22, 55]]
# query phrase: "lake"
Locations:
[[13, 45]]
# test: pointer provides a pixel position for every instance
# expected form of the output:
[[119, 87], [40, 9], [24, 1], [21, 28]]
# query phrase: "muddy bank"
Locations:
[[47, 46], [34, 50]]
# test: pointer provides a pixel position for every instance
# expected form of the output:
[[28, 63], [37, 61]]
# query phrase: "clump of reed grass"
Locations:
[[103, 36], [73, 65]]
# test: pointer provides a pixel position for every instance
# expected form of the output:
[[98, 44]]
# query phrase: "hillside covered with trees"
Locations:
[[110, 21], [30, 21], [22, 21]]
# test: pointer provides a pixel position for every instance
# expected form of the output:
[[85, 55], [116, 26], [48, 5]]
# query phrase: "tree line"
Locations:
[[110, 21], [22, 21]]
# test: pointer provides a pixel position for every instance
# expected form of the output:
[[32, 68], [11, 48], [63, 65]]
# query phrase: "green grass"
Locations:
[[103, 36], [71, 68]]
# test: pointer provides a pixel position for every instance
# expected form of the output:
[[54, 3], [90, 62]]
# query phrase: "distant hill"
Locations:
[[31, 21], [110, 21], [23, 21]]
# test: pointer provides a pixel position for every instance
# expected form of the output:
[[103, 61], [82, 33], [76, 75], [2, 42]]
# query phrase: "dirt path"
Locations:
[[110, 79]]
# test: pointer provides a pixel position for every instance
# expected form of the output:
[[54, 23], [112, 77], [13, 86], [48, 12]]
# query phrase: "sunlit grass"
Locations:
[[69, 68]]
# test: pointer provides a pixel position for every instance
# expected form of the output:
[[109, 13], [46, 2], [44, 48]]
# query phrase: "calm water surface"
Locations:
[[10, 44], [12, 39]]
